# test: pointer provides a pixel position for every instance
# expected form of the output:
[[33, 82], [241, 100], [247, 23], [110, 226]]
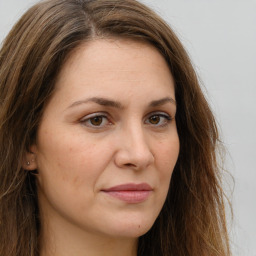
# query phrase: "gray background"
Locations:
[[220, 36]]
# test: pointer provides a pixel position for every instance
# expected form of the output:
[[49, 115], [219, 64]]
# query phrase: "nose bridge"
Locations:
[[135, 147], [135, 137]]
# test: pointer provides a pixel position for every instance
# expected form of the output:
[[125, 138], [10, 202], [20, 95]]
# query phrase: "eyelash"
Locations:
[[166, 119], [87, 121]]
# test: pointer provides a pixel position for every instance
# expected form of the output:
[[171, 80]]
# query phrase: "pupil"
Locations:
[[96, 120], [155, 119]]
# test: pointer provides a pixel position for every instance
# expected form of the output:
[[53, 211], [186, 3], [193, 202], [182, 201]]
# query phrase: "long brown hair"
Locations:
[[192, 221]]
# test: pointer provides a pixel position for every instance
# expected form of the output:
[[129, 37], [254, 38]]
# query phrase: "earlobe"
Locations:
[[29, 160], [29, 164]]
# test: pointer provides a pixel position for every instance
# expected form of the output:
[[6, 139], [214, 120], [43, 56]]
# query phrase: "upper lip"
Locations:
[[130, 187]]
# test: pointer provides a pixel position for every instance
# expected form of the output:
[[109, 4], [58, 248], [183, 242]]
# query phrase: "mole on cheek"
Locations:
[[76, 181]]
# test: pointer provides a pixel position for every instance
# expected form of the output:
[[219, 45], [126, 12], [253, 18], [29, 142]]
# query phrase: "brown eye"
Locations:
[[96, 121], [154, 119], [160, 119]]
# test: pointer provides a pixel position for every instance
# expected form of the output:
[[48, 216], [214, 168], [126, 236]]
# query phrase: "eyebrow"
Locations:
[[100, 101], [163, 101], [116, 104]]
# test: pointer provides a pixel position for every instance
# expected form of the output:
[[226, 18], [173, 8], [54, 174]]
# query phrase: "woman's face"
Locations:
[[107, 142]]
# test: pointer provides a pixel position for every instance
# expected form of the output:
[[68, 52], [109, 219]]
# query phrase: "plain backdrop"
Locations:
[[220, 37]]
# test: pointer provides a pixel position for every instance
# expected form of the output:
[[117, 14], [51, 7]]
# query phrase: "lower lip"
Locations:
[[132, 197]]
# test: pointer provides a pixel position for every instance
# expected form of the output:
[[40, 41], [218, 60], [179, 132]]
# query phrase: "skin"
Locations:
[[127, 85]]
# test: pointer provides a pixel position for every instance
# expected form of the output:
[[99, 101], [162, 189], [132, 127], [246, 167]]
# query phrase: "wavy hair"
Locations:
[[192, 221]]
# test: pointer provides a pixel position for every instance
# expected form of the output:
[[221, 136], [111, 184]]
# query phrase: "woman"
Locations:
[[108, 146]]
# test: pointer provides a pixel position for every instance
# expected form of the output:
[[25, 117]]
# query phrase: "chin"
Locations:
[[131, 228]]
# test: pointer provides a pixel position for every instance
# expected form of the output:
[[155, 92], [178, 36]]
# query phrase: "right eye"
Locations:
[[95, 121]]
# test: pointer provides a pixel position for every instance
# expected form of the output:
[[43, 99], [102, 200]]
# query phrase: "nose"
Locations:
[[133, 149]]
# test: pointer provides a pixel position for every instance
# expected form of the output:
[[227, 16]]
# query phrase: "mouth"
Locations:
[[130, 193]]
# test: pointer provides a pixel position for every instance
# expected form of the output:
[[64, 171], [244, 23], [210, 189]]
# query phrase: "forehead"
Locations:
[[115, 67], [112, 55]]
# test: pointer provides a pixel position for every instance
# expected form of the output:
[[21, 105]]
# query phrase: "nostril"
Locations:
[[129, 165]]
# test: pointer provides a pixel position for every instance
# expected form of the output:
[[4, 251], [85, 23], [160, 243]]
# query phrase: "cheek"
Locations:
[[166, 158], [68, 170], [71, 159], [167, 153]]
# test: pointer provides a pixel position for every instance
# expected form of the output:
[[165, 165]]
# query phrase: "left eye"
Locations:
[[158, 119]]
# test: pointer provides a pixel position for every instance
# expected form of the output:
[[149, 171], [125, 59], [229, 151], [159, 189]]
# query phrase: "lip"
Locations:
[[130, 192]]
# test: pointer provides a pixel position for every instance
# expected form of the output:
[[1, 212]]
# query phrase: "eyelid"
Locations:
[[103, 114], [87, 118], [162, 114], [159, 113]]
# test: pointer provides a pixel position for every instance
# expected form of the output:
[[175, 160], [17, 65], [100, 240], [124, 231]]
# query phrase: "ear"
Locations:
[[29, 162]]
